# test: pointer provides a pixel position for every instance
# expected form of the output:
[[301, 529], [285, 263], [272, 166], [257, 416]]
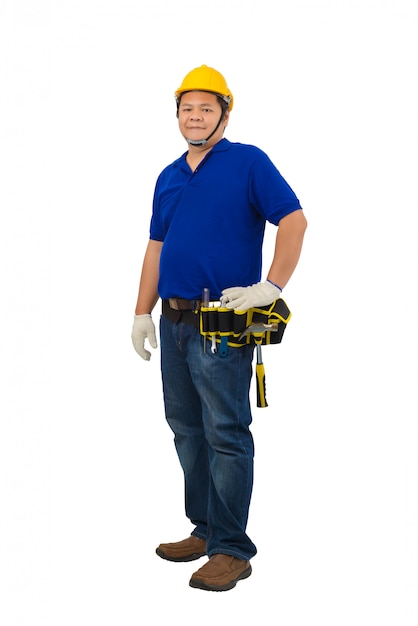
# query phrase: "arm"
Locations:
[[148, 285], [289, 240], [143, 327]]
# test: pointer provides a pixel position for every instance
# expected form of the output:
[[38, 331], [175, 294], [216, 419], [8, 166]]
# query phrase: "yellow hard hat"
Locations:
[[206, 78]]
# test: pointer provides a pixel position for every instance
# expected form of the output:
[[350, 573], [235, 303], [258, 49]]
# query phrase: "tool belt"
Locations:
[[220, 322]]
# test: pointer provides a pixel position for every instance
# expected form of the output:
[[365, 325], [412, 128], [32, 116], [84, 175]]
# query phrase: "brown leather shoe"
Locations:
[[220, 573], [189, 549]]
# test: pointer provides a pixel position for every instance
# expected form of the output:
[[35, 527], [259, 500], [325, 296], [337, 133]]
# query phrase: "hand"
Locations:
[[244, 298], [142, 329]]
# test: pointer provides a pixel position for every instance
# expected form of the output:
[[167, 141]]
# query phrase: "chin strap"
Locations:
[[202, 142]]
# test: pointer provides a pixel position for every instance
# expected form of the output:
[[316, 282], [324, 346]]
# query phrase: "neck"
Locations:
[[195, 151], [196, 154]]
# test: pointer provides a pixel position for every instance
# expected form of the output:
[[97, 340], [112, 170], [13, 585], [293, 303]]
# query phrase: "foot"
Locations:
[[220, 573], [189, 549]]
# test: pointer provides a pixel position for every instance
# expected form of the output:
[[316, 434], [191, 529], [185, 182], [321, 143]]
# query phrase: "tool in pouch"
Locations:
[[223, 340], [235, 328]]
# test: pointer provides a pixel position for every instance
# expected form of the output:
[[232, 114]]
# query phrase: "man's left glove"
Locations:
[[244, 298], [142, 329]]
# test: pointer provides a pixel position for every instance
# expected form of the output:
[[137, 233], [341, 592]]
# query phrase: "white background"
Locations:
[[89, 479]]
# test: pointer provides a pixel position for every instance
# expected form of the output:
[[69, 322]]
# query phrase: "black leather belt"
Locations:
[[187, 315], [179, 304]]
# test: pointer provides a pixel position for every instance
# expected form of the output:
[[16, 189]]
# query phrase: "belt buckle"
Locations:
[[173, 304]]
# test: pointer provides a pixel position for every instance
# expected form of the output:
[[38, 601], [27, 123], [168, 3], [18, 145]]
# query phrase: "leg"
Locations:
[[223, 384], [184, 415]]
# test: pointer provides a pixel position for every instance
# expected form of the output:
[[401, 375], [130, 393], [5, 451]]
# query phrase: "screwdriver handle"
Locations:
[[205, 297]]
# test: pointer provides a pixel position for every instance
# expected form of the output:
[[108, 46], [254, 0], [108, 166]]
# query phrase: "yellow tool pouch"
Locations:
[[221, 322]]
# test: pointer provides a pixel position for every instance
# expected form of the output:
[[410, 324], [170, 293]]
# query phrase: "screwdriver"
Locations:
[[205, 303]]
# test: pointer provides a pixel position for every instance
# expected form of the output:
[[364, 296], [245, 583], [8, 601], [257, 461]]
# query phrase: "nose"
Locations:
[[196, 115]]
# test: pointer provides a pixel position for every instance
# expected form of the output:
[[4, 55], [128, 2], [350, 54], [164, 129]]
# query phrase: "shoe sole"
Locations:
[[180, 559], [197, 583]]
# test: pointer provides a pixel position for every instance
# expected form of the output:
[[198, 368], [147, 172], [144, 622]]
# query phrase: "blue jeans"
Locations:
[[206, 398]]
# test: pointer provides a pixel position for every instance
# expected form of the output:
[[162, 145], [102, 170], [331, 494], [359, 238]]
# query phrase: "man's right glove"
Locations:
[[142, 329]]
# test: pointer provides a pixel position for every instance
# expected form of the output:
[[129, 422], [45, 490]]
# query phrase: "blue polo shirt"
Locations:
[[212, 220]]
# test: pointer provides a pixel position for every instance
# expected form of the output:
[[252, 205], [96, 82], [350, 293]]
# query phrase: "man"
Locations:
[[209, 213]]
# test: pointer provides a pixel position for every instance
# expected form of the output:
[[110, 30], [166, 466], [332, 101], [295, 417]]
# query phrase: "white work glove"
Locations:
[[244, 298], [142, 329]]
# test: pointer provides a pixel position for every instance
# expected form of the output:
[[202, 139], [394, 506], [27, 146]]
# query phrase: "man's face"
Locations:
[[199, 113]]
